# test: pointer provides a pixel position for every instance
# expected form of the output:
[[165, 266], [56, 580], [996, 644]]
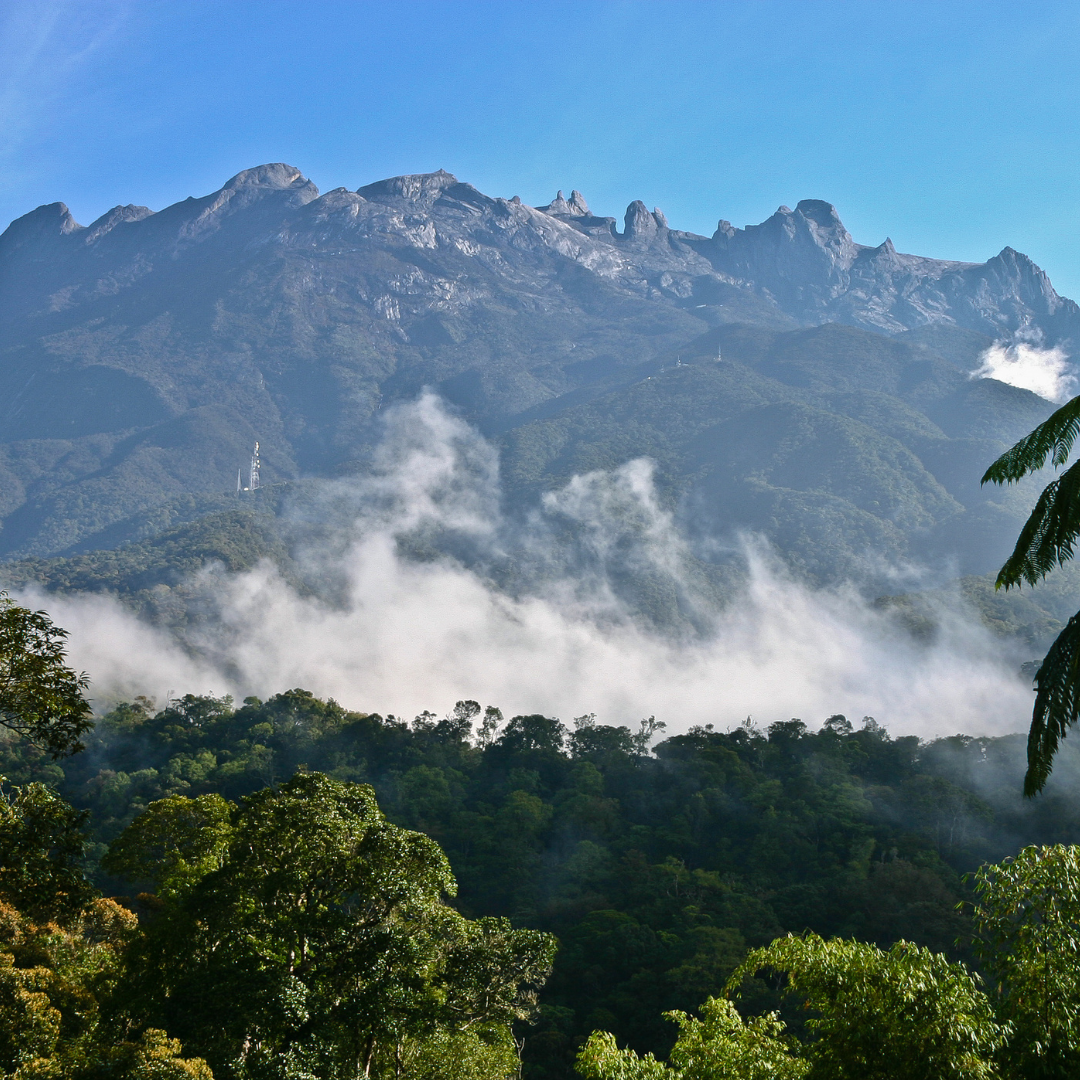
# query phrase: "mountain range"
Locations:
[[784, 378]]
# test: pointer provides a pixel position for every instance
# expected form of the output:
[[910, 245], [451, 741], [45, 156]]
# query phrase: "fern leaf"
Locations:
[[1057, 705], [1049, 535], [1053, 438]]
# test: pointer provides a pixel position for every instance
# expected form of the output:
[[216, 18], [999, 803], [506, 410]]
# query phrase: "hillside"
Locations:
[[656, 871], [141, 356]]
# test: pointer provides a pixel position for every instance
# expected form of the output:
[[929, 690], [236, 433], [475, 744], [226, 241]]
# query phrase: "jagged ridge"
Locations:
[[140, 356]]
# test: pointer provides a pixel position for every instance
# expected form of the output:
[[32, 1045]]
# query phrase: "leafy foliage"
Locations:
[[1052, 439], [324, 927], [718, 1046], [61, 959], [656, 870], [41, 853], [883, 1015], [41, 698], [174, 844], [1057, 705], [1049, 535], [1028, 919]]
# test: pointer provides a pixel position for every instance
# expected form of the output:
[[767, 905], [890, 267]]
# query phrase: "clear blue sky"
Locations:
[[952, 127]]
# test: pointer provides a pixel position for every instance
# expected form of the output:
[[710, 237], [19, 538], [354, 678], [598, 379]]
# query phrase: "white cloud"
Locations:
[[1046, 372], [397, 634]]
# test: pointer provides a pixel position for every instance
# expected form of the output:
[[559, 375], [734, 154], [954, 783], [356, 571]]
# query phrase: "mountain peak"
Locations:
[[824, 213], [118, 215], [824, 223], [414, 187], [46, 223], [807, 241], [1017, 263], [1023, 282], [277, 176], [575, 206], [639, 223], [247, 314], [802, 262]]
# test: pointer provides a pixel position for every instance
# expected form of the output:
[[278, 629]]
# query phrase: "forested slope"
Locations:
[[657, 870]]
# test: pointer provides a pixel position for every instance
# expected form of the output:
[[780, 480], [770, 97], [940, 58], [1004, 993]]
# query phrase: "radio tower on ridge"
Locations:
[[253, 486]]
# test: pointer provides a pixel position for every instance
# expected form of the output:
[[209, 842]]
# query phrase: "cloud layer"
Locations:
[[1046, 372], [419, 589]]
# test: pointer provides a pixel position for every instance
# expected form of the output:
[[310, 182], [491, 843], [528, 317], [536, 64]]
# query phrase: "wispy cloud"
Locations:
[[406, 626], [1046, 372], [44, 48]]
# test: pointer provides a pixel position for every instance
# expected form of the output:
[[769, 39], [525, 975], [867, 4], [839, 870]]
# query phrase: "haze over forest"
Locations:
[[524, 452]]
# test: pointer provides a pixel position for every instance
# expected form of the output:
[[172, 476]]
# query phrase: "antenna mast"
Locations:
[[239, 488], [253, 486]]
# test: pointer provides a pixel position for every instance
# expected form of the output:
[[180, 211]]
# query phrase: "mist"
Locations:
[[1046, 372], [415, 586]]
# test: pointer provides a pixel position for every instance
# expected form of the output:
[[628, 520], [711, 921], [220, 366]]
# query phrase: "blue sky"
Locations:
[[951, 127]]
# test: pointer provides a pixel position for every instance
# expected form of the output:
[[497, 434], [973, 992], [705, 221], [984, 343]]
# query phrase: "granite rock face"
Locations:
[[141, 355], [808, 262], [803, 262]]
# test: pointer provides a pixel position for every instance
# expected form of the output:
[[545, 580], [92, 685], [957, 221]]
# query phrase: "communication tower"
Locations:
[[253, 486], [239, 488]]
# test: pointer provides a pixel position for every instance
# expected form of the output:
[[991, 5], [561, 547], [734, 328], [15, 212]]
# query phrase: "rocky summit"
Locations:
[[783, 377]]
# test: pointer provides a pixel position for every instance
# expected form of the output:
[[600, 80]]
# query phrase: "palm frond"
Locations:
[[1049, 535], [1053, 437], [1057, 705]]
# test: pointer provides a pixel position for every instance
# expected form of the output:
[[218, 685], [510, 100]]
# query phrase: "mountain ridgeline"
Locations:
[[784, 379], [780, 379]]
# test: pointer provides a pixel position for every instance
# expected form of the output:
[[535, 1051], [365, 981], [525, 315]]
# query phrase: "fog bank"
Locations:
[[423, 590]]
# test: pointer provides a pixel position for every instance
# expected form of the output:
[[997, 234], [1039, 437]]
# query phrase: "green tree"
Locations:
[[488, 1053], [41, 852], [902, 1014], [324, 930], [174, 844], [1028, 919], [153, 1056], [53, 980], [41, 698], [1047, 539], [718, 1046]]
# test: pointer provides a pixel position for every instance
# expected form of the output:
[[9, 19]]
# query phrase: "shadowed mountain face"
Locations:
[[141, 356]]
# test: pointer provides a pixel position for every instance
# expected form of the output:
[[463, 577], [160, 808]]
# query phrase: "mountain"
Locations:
[[784, 378]]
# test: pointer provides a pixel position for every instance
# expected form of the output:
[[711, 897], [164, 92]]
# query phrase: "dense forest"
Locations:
[[663, 866]]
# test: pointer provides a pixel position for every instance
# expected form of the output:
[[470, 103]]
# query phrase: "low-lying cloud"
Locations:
[[418, 588], [1046, 372]]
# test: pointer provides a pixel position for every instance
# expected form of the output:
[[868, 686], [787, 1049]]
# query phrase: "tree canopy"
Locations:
[[297, 929], [325, 928], [657, 870], [1027, 915]]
